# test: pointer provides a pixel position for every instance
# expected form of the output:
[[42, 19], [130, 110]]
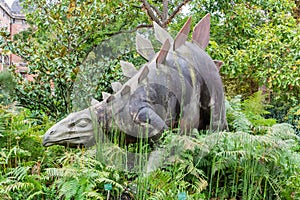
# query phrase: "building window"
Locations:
[[6, 60], [1, 65], [23, 74]]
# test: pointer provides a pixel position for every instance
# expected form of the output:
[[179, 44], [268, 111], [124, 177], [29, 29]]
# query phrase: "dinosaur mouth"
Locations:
[[73, 142]]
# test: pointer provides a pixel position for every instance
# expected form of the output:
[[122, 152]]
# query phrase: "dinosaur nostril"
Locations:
[[52, 132]]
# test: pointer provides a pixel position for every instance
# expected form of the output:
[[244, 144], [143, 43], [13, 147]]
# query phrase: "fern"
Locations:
[[93, 195], [248, 115], [255, 109], [283, 131], [19, 182], [159, 195], [19, 173], [178, 174], [61, 172], [82, 176], [241, 162], [255, 104], [35, 194], [237, 120], [17, 186]]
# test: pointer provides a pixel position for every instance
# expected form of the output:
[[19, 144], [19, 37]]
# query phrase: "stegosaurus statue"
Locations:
[[179, 86]]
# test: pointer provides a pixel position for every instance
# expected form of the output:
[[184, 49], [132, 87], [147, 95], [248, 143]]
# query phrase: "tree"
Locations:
[[61, 35], [163, 12], [259, 44], [59, 38]]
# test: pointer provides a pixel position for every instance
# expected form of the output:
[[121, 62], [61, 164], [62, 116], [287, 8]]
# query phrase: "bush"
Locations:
[[7, 85]]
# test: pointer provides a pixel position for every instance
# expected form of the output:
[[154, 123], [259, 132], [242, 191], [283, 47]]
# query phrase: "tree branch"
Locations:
[[175, 12], [117, 33], [157, 11], [150, 12], [165, 10]]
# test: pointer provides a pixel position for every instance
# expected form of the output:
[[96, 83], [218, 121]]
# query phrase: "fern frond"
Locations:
[[93, 195], [32, 196], [236, 118], [107, 180], [69, 189], [283, 131], [61, 172], [4, 195], [19, 173], [19, 186], [158, 195], [255, 104]]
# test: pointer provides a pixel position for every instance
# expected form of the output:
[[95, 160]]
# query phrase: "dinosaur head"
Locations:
[[77, 129]]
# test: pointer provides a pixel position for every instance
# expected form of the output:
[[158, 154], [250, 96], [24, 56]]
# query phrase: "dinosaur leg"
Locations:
[[218, 118], [152, 121]]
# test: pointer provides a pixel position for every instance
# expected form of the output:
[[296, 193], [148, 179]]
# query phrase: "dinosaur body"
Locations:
[[179, 86]]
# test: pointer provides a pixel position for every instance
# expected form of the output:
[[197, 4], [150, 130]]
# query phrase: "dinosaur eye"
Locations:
[[83, 123], [72, 124]]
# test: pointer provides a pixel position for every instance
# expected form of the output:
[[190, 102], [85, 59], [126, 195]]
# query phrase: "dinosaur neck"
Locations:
[[103, 118]]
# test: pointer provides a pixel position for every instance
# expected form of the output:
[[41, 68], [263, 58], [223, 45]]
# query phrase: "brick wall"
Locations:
[[4, 15], [14, 22]]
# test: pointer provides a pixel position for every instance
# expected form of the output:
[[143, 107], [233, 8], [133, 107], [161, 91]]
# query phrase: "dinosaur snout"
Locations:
[[47, 137]]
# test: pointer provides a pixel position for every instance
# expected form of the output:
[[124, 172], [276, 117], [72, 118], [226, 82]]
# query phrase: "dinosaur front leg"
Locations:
[[149, 119], [218, 116]]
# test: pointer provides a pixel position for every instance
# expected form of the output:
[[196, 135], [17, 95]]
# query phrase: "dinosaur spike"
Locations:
[[144, 47], [163, 52], [143, 74], [94, 101], [218, 63], [110, 99], [105, 95], [161, 34], [116, 86], [201, 32], [125, 90], [128, 69], [183, 34]]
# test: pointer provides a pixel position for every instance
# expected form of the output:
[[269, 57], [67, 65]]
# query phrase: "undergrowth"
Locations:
[[256, 159]]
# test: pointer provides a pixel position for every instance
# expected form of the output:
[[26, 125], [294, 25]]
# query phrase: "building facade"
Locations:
[[12, 19]]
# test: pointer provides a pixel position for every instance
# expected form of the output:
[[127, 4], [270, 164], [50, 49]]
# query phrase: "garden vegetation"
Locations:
[[258, 158]]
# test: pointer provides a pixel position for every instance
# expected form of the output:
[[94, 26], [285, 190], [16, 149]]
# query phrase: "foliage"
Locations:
[[102, 67], [178, 176], [20, 184], [238, 165], [207, 165], [83, 177], [20, 137], [293, 117], [259, 44], [285, 112], [7, 85], [58, 39], [245, 166], [248, 115]]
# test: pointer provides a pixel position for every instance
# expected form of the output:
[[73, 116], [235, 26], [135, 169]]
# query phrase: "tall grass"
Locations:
[[258, 159]]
